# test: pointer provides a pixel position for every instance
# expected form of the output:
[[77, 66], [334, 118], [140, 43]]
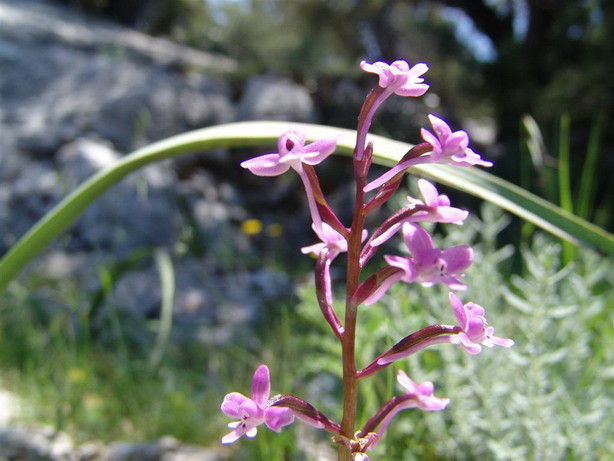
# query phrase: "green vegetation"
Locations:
[[548, 398]]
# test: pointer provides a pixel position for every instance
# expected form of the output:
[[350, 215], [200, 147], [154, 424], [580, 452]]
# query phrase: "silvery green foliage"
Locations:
[[550, 397]]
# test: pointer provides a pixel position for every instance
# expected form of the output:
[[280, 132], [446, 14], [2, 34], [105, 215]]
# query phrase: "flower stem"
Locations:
[[348, 341]]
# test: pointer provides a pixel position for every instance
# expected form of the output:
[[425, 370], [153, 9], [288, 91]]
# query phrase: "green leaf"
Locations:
[[470, 180]]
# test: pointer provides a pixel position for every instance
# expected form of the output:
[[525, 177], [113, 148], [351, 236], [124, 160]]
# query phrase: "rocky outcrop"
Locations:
[[65, 75], [78, 89]]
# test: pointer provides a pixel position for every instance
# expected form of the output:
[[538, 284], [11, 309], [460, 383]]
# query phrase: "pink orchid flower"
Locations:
[[396, 78], [427, 264], [416, 395], [399, 77], [439, 210], [423, 393], [255, 411], [474, 333], [450, 147], [439, 206], [293, 153], [330, 239]]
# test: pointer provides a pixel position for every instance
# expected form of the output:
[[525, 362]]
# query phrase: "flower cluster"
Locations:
[[424, 265]]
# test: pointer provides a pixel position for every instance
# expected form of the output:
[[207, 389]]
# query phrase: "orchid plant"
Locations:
[[426, 265]]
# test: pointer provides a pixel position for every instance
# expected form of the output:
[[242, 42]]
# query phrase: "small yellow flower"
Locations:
[[274, 230], [251, 226]]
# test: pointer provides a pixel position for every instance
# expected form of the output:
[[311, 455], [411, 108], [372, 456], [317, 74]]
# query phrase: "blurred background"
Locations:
[[121, 340]]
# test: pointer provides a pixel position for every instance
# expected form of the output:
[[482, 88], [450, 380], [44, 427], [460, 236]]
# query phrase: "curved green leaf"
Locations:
[[386, 151]]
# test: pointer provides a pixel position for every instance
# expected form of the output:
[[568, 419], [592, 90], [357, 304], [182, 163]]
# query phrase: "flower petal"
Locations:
[[457, 142], [414, 90], [406, 382], [316, 248], [231, 406], [448, 214], [408, 267], [319, 150], [432, 403], [231, 437], [277, 417], [442, 129], [453, 283], [459, 310], [418, 241], [261, 386], [266, 165], [429, 192], [457, 258], [428, 137]]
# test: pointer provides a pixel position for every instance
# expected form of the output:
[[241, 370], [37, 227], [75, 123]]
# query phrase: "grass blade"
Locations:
[[167, 289], [470, 180], [565, 179], [564, 171], [587, 183]]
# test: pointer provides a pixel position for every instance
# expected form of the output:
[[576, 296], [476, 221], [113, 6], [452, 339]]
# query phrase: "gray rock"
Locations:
[[65, 75], [152, 451], [268, 97], [33, 21], [207, 308], [137, 212], [35, 443], [25, 198]]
